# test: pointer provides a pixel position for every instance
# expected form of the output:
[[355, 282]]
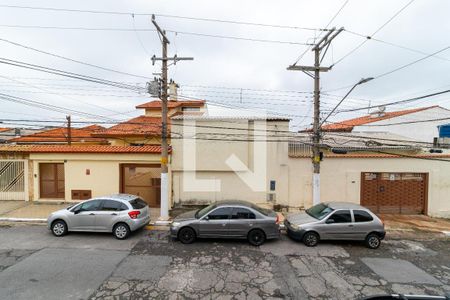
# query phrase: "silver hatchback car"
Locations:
[[120, 214], [227, 219], [336, 221]]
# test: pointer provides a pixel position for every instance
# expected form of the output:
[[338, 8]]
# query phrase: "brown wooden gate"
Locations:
[[143, 180], [51, 180], [394, 193]]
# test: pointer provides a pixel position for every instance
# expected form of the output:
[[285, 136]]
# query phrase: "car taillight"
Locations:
[[134, 214]]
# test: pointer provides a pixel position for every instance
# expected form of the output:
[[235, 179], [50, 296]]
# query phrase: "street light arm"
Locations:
[[364, 80]]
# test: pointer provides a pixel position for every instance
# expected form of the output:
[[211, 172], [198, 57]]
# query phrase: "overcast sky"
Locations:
[[221, 64]]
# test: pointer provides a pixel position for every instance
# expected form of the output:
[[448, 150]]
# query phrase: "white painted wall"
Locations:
[[341, 179], [420, 131]]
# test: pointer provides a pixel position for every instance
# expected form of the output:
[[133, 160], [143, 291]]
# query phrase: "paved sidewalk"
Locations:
[[28, 211]]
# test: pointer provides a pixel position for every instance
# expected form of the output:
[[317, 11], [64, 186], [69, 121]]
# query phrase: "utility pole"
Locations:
[[324, 43], [164, 215], [69, 130]]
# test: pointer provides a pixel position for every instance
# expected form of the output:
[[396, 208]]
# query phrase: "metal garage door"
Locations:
[[13, 180], [394, 193]]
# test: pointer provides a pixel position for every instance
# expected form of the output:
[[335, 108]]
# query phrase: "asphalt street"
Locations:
[[149, 265]]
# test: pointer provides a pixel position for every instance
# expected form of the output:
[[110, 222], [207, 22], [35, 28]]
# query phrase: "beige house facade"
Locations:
[[75, 173]]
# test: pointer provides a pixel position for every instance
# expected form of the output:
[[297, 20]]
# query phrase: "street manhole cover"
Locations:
[[398, 270]]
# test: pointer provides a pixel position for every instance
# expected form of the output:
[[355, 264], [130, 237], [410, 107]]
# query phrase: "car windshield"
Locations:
[[319, 211], [200, 213]]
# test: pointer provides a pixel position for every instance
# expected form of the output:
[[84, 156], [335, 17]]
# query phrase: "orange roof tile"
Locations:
[[80, 149], [59, 135], [156, 104], [139, 126], [348, 125], [5, 129]]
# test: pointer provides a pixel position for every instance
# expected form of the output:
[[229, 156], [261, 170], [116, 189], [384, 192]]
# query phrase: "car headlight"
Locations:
[[295, 226], [176, 224]]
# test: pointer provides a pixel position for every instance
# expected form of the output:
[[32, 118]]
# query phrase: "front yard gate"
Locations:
[[13, 180]]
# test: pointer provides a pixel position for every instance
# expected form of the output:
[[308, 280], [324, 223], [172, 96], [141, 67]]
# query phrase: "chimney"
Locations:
[[173, 90]]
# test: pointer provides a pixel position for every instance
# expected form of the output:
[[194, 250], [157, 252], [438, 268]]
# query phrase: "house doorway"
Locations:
[[51, 180], [143, 180]]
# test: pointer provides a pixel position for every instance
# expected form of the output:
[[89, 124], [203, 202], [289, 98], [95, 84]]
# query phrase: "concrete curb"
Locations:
[[32, 220]]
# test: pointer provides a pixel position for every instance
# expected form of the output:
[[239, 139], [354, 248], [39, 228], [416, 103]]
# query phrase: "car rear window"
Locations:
[[362, 216], [138, 203]]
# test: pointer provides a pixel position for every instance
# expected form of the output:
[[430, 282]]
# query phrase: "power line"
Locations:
[[411, 63], [332, 19], [47, 106], [397, 102], [398, 68], [71, 59], [59, 94], [375, 32], [68, 74], [395, 45], [406, 122], [165, 16], [149, 29]]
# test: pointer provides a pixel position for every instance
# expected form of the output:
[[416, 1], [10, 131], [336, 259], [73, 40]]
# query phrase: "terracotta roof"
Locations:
[[139, 126], [59, 135], [156, 104], [79, 149], [5, 129], [347, 125], [94, 127]]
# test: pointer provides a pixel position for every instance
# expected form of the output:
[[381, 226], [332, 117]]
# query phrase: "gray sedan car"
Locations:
[[336, 221], [120, 214], [227, 219]]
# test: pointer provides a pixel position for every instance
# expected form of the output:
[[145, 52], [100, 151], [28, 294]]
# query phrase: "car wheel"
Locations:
[[121, 231], [59, 228], [311, 239], [256, 237], [373, 241], [186, 235]]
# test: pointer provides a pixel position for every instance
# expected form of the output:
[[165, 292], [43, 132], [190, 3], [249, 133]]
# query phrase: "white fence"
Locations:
[[13, 180]]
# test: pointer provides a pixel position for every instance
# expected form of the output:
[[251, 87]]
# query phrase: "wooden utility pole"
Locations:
[[164, 216], [324, 43], [69, 130]]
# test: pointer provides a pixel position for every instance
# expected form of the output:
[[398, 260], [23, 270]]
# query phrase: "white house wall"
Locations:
[[421, 131]]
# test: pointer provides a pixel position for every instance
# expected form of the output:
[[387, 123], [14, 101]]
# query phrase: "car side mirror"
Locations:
[[329, 221], [76, 211], [206, 218]]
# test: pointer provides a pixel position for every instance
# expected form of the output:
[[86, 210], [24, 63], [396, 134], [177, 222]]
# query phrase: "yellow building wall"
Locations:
[[104, 178]]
